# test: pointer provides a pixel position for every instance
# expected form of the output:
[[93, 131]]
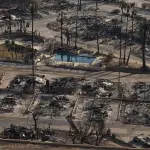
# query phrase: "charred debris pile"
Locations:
[[135, 110], [24, 84], [22, 132], [62, 86]]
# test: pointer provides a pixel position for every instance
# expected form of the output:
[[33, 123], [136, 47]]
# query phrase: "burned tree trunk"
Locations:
[[99, 137], [35, 119], [9, 16], [126, 39], [61, 36], [143, 46], [76, 29], [132, 37], [21, 21], [97, 28]]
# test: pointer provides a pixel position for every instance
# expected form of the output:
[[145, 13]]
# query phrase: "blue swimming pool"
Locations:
[[74, 58]]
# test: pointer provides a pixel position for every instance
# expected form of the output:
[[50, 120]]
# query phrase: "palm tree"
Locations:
[[61, 18], [33, 9]]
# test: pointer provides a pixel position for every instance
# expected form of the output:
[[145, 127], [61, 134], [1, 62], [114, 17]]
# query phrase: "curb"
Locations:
[[66, 145]]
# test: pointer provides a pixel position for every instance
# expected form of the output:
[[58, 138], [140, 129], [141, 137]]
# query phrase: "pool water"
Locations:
[[74, 58]]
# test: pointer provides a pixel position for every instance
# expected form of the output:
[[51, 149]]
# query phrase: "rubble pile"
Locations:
[[142, 91], [23, 83], [54, 26], [100, 88], [57, 5], [92, 104], [18, 132], [1, 77], [21, 132], [87, 27], [107, 31], [66, 85], [92, 108], [25, 11], [53, 104], [8, 103], [139, 91], [136, 113]]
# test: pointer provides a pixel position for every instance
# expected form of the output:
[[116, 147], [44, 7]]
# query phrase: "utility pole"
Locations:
[[80, 4], [76, 29], [32, 9], [121, 95], [119, 91], [97, 28], [33, 52], [120, 54]]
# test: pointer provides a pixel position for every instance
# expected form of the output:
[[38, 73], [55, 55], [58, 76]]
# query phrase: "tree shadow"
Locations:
[[128, 70], [123, 76]]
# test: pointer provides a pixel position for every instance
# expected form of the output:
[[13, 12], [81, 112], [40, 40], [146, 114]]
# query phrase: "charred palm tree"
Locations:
[[13, 48], [61, 21], [127, 22], [61, 17], [67, 34], [132, 36], [122, 6], [1, 26], [76, 28], [144, 30]]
